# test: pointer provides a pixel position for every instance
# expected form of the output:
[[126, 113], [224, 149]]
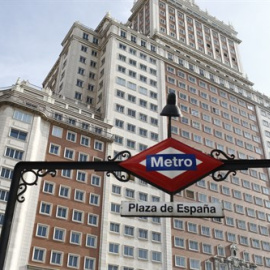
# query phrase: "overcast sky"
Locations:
[[32, 31]]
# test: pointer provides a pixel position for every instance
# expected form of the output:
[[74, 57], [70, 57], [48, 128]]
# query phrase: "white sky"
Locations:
[[32, 32]]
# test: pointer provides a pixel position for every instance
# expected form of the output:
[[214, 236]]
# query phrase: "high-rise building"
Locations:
[[120, 74]]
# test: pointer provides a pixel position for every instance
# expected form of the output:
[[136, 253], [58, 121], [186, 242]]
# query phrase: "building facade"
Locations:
[[121, 73], [63, 212]]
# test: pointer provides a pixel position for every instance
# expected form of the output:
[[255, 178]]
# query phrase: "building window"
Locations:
[[156, 237], [85, 36], [93, 64], [79, 195], [69, 154], [95, 180], [128, 251], [14, 153], [143, 234], [45, 208], [91, 241], [113, 267], [71, 136], [255, 243], [258, 259], [23, 117], [83, 157], [54, 149], [243, 240], [114, 227], [48, 187], [92, 220], [264, 230], [84, 48], [64, 191], [208, 265], [115, 208], [59, 234], [266, 246], [81, 176], [62, 212], [207, 248], [78, 96], [131, 128], [18, 134], [39, 254], [180, 261], [90, 87], [192, 227], [77, 216], [178, 224], [42, 230], [75, 238], [129, 230], [114, 248], [219, 234], [73, 261], [231, 237], [119, 123], [143, 79], [85, 141], [229, 221], [179, 242], [116, 189], [154, 136], [4, 195], [193, 245], [246, 256], [142, 254], [156, 256], [94, 199], [92, 75], [241, 224], [57, 131], [131, 144], [82, 59], [143, 196], [130, 193], [66, 173], [79, 83], [56, 257], [89, 263]]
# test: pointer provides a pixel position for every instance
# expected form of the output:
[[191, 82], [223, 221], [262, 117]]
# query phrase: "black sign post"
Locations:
[[113, 166]]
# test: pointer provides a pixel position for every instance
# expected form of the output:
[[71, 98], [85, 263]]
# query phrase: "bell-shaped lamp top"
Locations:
[[171, 109]]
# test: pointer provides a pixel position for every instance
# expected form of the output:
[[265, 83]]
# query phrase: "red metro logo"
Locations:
[[171, 165]]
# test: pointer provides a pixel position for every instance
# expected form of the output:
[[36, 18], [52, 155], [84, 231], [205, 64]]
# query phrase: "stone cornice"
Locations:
[[202, 57], [45, 104]]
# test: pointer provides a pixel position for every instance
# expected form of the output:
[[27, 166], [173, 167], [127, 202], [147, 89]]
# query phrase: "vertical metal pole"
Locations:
[[169, 136], [9, 213], [169, 126]]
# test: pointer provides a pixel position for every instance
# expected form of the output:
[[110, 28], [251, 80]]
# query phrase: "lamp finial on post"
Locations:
[[170, 110]]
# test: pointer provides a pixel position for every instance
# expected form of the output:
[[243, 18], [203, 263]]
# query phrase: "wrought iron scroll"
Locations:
[[217, 175], [119, 175], [24, 183]]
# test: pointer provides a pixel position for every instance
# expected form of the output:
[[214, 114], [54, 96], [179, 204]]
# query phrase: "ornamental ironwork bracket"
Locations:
[[231, 165]]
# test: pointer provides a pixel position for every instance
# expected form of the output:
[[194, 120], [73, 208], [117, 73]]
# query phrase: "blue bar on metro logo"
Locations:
[[171, 162]]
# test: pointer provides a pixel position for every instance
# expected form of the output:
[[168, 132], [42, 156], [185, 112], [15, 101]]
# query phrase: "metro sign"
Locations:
[[171, 165]]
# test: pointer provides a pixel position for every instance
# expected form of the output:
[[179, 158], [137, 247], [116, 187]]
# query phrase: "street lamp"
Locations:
[[170, 110]]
